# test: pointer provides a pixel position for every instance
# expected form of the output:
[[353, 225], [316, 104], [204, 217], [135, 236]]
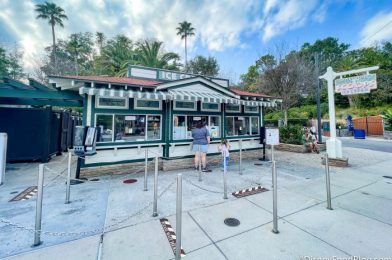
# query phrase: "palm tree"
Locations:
[[100, 41], [55, 15], [150, 54], [184, 30]]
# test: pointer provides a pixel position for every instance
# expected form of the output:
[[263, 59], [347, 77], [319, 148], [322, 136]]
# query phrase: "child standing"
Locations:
[[224, 148]]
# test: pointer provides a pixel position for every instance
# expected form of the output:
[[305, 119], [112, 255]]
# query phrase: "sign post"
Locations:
[[272, 138], [346, 86]]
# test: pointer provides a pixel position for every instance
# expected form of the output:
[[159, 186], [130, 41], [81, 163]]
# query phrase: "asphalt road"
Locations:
[[376, 145]]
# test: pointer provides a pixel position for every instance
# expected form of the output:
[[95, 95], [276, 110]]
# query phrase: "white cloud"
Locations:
[[377, 29], [289, 15], [219, 24]]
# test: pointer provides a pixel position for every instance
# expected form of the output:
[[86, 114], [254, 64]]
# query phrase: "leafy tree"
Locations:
[[185, 30], [55, 16], [151, 54], [80, 46], [203, 66], [117, 54], [286, 78], [4, 63], [100, 39], [249, 79]]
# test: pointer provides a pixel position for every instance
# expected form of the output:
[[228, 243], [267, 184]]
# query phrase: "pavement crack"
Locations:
[[213, 242]]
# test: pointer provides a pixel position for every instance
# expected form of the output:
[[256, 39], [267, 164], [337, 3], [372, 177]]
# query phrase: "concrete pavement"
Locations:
[[360, 223]]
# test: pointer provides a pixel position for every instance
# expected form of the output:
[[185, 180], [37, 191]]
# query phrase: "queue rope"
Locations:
[[89, 232]]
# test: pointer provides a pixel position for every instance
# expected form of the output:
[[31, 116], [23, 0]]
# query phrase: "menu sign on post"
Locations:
[[356, 85]]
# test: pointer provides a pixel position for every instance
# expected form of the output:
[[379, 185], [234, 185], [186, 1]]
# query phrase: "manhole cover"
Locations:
[[95, 179], [76, 182], [129, 181], [388, 177], [232, 222]]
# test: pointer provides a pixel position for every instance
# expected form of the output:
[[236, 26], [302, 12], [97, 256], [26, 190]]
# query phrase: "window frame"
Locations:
[[185, 109], [186, 120], [249, 126], [128, 114], [233, 111], [97, 105], [208, 109], [136, 107], [254, 112]]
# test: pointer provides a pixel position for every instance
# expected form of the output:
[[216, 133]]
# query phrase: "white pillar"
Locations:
[[334, 146]]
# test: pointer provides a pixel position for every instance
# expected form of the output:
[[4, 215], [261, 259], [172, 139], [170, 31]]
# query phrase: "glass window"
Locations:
[[185, 105], [115, 103], [254, 125], [229, 126], [194, 120], [233, 108], [179, 127], [210, 107], [153, 127], [147, 104], [241, 125], [214, 127], [130, 128], [104, 123], [249, 109]]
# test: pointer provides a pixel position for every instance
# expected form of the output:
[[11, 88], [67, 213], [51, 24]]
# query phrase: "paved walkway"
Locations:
[[360, 223]]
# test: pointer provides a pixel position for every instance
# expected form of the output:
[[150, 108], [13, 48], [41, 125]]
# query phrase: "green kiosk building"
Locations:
[[157, 109]]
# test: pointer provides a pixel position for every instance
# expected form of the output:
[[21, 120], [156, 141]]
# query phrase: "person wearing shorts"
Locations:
[[201, 139]]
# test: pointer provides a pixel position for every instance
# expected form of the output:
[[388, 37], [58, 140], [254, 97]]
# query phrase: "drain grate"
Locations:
[[232, 222], [26, 194], [129, 181], [250, 191], [388, 177]]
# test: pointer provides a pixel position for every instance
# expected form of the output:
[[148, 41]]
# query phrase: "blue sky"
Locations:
[[236, 32]]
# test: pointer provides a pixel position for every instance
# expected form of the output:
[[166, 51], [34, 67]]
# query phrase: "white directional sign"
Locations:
[[356, 85], [272, 136]]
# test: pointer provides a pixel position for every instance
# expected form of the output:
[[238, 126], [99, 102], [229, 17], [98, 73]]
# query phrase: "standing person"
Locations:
[[224, 148], [201, 139]]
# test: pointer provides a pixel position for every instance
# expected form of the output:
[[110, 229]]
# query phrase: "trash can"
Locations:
[[359, 133]]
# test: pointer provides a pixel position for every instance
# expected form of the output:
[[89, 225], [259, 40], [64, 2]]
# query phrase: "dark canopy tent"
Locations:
[[35, 131]]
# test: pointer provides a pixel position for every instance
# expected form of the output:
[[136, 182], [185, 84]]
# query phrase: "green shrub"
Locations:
[[291, 134], [387, 116]]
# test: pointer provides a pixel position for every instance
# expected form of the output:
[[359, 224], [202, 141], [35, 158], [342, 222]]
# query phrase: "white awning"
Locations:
[[174, 94]]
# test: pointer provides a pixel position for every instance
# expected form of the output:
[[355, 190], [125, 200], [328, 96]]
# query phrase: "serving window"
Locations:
[[128, 128], [242, 125], [183, 125]]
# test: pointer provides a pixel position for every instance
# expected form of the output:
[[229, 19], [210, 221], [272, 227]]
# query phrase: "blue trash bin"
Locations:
[[359, 133]]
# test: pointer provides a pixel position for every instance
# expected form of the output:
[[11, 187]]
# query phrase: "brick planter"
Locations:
[[165, 165], [336, 162]]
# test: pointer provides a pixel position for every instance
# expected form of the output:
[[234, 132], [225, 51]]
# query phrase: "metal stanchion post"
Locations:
[[68, 188], [3, 156], [275, 198], [178, 216], [272, 153], [224, 176], [200, 164], [327, 179], [38, 210], [155, 206], [240, 157], [145, 168]]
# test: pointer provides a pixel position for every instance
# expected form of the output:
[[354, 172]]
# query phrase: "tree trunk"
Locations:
[[54, 49], [285, 114], [76, 65], [186, 60]]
